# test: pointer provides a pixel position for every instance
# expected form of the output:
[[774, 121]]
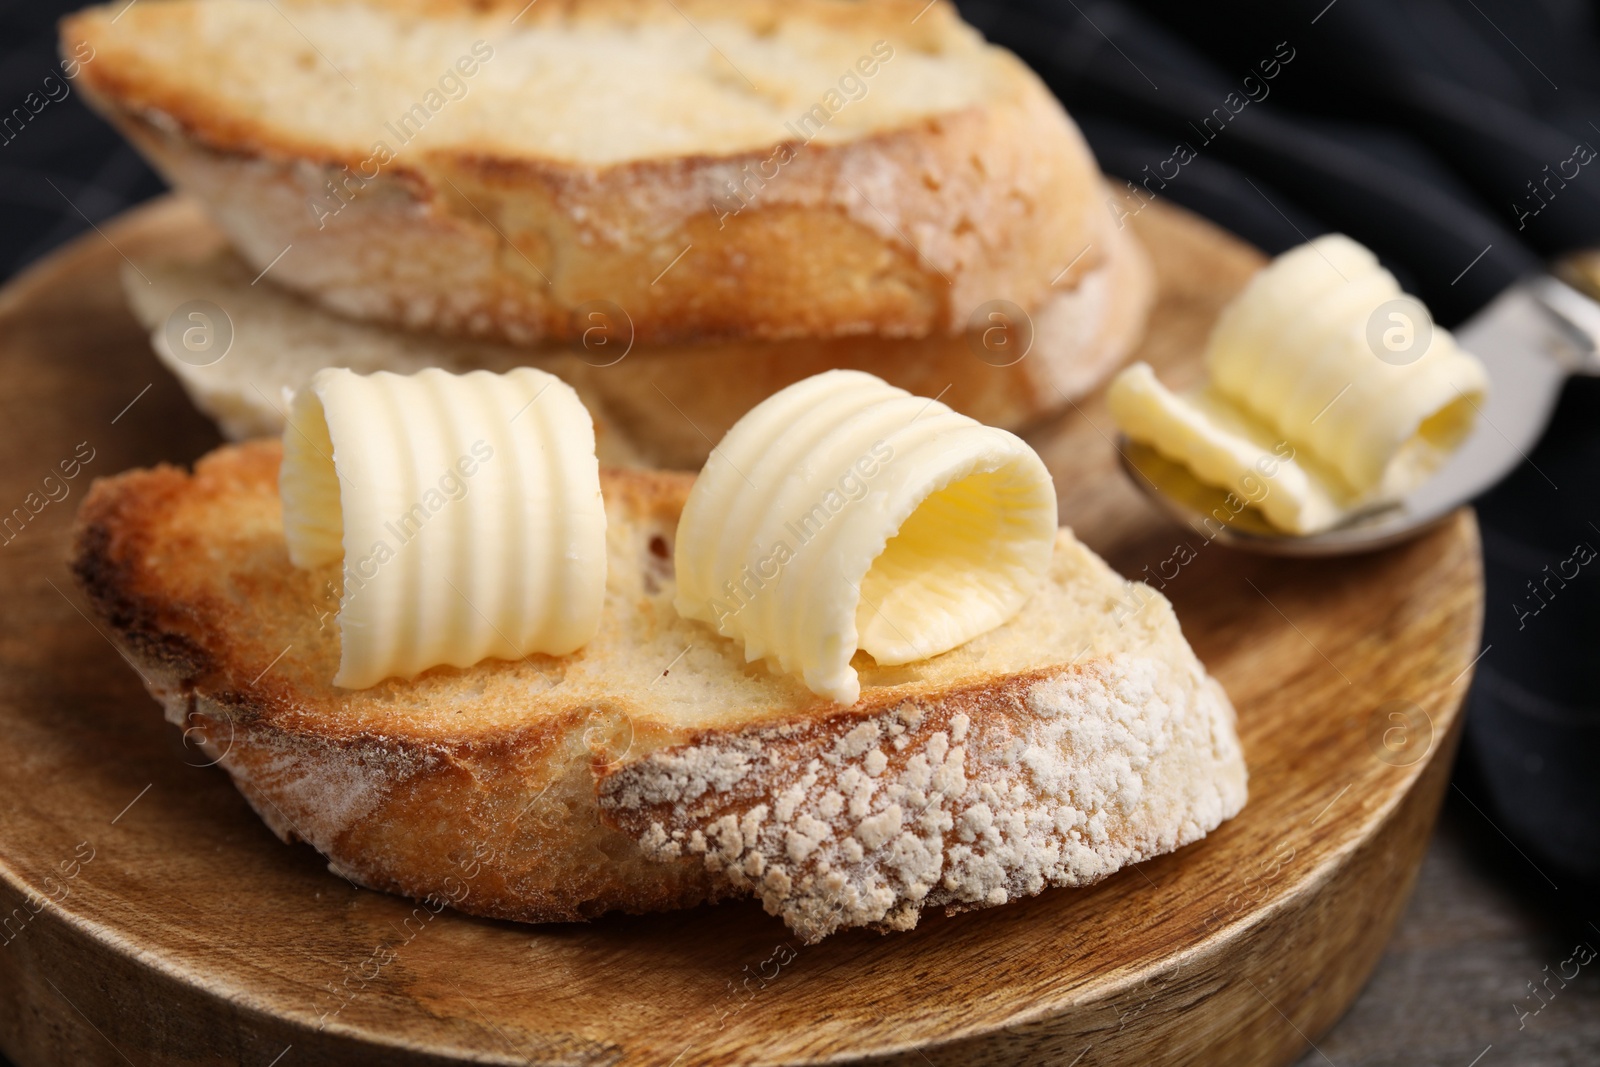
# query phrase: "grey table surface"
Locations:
[[1472, 976]]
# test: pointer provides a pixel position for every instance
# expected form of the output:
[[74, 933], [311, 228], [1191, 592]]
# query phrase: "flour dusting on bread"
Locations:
[[973, 800]]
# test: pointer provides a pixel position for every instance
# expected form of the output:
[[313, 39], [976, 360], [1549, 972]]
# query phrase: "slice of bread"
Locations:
[[660, 406], [721, 169], [655, 769]]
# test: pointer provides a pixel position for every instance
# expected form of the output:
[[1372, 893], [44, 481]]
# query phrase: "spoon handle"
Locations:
[[1573, 297]]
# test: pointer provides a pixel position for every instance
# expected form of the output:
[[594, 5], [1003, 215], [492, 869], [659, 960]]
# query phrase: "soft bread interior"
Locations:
[[701, 78], [217, 546]]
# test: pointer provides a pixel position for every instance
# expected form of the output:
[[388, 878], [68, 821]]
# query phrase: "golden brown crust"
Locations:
[[924, 24], [558, 789], [898, 233], [112, 535], [419, 809]]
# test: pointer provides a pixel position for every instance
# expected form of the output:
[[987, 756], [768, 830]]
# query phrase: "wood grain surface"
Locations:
[[151, 918]]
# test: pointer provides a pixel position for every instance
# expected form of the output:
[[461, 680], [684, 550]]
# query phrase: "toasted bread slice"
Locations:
[[718, 168], [662, 406], [655, 769]]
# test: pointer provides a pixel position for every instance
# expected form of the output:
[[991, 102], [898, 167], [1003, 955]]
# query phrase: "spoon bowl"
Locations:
[[1207, 509], [1531, 338]]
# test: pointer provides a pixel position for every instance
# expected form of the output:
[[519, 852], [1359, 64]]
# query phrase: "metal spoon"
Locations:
[[1531, 338]]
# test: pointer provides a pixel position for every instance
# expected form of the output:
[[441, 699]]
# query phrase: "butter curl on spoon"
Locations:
[[465, 509], [842, 513], [1329, 393]]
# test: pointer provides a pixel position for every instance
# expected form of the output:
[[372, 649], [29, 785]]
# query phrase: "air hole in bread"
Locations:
[[658, 568], [874, 675]]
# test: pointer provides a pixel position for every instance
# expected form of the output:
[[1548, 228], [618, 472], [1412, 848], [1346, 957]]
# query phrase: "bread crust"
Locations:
[[558, 789], [638, 394], [984, 794], [498, 822], [897, 233]]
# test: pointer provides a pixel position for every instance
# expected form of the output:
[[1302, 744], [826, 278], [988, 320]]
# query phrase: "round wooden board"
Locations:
[[154, 919]]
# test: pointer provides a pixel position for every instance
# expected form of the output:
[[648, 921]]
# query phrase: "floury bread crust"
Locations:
[[641, 397], [751, 181], [987, 794], [654, 769]]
